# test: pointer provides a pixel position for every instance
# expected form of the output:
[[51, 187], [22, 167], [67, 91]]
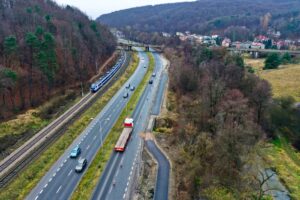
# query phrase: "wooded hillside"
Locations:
[[46, 49], [212, 17]]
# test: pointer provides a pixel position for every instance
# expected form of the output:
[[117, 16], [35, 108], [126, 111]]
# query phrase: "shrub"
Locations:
[[273, 61]]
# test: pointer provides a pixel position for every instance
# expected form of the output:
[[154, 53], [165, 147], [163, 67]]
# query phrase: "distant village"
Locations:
[[271, 41]]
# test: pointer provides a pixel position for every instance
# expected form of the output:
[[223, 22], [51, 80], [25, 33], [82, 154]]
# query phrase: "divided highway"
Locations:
[[61, 180], [119, 176], [12, 164]]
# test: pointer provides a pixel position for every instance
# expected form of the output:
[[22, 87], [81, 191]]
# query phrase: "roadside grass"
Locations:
[[15, 132], [281, 157], [93, 173], [284, 80], [21, 186]]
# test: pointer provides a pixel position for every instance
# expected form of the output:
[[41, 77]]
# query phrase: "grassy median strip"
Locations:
[[27, 180], [91, 177]]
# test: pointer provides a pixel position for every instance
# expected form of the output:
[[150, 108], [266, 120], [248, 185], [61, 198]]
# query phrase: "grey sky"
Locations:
[[94, 8]]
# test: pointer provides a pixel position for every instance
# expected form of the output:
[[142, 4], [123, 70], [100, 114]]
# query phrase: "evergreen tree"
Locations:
[[286, 58], [273, 61]]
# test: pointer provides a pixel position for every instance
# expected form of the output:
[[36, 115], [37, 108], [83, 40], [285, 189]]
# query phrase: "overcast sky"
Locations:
[[95, 8]]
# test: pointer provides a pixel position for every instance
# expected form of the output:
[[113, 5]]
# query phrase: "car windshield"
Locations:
[[74, 151], [80, 162]]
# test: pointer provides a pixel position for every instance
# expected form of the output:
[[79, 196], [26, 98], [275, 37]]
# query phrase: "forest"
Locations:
[[218, 114], [239, 19], [46, 49]]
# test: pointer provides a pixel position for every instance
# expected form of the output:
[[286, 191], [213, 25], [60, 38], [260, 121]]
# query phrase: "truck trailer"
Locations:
[[125, 135]]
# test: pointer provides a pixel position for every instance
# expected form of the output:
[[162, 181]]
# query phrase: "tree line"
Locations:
[[236, 19], [45, 49], [223, 113]]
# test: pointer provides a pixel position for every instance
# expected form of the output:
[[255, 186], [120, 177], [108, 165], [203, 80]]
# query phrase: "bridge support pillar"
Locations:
[[147, 48], [129, 48], [254, 54]]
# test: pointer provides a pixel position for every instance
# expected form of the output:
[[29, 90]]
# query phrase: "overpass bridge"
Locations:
[[128, 45]]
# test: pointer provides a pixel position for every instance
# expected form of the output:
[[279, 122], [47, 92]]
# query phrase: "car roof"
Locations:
[[76, 148]]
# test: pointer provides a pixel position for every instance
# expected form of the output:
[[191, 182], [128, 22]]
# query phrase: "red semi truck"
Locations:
[[125, 135]]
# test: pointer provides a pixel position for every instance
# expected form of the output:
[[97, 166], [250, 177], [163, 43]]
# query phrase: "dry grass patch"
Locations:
[[284, 81]]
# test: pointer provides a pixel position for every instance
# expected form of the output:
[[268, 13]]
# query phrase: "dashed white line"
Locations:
[[126, 189], [36, 197], [65, 161], [50, 180], [58, 169], [88, 147], [70, 173], [46, 185], [124, 196], [62, 164], [58, 189], [41, 191], [54, 174]]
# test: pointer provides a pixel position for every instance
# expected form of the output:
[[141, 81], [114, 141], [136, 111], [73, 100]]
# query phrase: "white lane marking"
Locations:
[[126, 189], [41, 191], [70, 173], [88, 147], [58, 169], [54, 174], [50, 180], [65, 161], [127, 183], [46, 185], [124, 196], [62, 164], [36, 197], [58, 189]]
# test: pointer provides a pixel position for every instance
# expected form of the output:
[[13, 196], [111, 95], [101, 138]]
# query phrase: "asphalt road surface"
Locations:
[[119, 175], [61, 180]]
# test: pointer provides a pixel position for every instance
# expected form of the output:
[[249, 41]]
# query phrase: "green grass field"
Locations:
[[91, 177], [280, 156], [27, 180]]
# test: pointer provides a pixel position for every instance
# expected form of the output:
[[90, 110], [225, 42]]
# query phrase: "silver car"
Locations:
[[82, 162]]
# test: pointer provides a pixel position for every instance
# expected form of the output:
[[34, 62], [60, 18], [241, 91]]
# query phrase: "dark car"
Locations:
[[154, 74], [80, 165], [151, 81], [128, 86], [75, 152], [125, 95], [132, 88]]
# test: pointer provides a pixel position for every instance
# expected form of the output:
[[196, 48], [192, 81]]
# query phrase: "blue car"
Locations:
[[75, 152]]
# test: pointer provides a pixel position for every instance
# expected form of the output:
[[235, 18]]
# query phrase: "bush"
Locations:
[[286, 58], [273, 61]]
